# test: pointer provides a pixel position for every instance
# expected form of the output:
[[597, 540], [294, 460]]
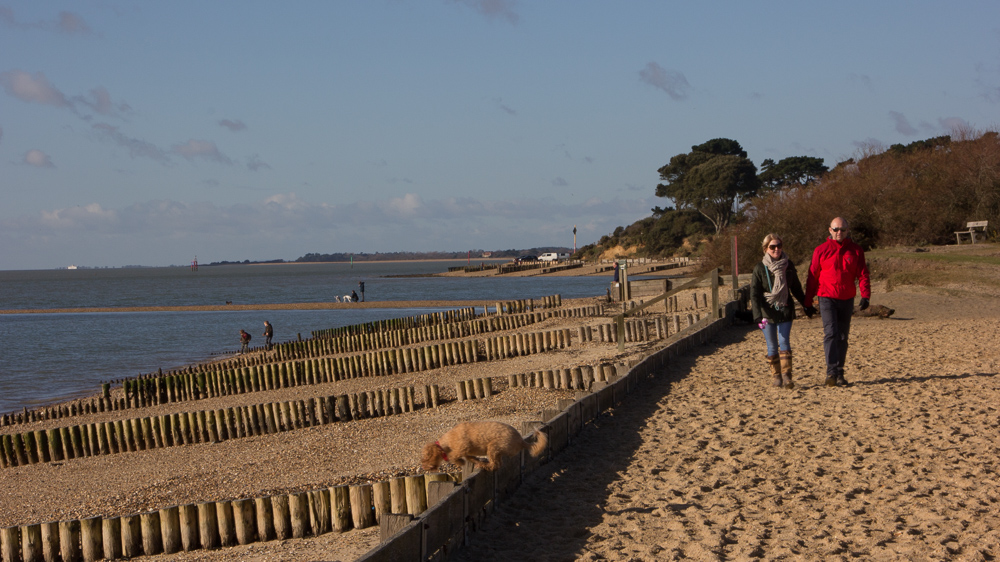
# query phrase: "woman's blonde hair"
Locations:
[[768, 239]]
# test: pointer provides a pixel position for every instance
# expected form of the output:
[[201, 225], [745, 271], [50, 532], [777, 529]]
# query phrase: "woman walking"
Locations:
[[772, 286]]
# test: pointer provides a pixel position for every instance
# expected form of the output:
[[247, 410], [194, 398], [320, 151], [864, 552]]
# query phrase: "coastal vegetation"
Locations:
[[904, 195]]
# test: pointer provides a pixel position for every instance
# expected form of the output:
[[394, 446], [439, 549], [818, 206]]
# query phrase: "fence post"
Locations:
[[716, 313]]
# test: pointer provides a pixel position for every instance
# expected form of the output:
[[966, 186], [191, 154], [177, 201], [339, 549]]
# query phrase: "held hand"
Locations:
[[863, 304], [809, 311], [762, 323]]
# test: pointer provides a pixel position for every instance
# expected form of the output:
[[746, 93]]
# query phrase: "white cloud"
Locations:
[[288, 201], [288, 212], [283, 225], [32, 88], [670, 81], [201, 149], [38, 159], [407, 205], [36, 88], [78, 218], [954, 124]]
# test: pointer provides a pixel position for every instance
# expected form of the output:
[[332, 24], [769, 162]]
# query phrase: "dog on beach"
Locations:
[[468, 441], [875, 310]]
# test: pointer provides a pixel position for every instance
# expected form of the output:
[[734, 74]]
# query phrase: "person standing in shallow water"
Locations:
[[836, 266], [773, 284]]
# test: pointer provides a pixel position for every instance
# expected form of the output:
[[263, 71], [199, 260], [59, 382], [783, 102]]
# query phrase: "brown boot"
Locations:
[[775, 362], [785, 357]]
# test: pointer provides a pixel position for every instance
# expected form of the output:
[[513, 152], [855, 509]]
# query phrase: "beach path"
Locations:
[[709, 462]]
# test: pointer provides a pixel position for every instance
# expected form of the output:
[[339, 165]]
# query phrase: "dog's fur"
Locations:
[[875, 310], [468, 441]]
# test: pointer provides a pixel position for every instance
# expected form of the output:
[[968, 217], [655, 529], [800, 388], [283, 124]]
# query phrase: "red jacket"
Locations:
[[834, 269]]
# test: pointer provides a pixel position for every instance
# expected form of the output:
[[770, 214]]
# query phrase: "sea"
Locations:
[[51, 357]]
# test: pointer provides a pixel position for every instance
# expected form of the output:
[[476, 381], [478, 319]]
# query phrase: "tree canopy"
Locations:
[[791, 171], [710, 179]]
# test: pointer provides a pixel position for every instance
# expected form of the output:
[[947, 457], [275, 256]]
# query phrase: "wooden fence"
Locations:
[[457, 510]]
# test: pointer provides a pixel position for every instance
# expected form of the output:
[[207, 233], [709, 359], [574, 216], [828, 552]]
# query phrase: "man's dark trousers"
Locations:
[[836, 315]]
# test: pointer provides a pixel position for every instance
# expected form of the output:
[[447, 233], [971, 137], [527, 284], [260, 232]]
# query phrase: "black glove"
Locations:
[[809, 310], [863, 304]]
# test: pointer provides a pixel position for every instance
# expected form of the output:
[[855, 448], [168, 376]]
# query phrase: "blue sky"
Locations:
[[148, 133]]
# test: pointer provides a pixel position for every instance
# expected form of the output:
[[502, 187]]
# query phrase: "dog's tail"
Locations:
[[541, 441]]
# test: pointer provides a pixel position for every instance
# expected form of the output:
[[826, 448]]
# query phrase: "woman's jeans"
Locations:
[[776, 336]]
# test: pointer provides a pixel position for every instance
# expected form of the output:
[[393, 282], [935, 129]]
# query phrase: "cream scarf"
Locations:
[[778, 295]]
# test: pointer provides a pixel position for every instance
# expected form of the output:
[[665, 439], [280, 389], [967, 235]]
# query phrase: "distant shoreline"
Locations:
[[350, 262]]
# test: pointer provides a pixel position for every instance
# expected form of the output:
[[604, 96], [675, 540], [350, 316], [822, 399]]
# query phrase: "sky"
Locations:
[[151, 133]]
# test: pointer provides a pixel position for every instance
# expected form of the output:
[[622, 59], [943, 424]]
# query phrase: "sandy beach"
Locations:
[[714, 464], [708, 462]]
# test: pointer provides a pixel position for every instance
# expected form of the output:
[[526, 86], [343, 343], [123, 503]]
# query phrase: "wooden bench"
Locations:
[[971, 231]]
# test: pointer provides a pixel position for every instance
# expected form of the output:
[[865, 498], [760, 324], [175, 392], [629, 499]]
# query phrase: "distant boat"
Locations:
[[71, 267]]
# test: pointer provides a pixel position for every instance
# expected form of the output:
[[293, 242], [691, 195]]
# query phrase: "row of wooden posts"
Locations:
[[187, 384], [575, 378], [443, 528], [645, 329], [167, 430], [242, 521], [205, 426], [319, 346], [213, 524], [218, 524], [443, 317], [428, 319], [521, 344], [270, 376], [152, 390], [195, 386]]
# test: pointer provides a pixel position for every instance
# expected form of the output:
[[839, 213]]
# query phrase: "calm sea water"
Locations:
[[49, 357]]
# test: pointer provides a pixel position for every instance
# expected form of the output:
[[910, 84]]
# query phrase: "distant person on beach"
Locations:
[[354, 296], [773, 284], [268, 333], [836, 266], [244, 341], [361, 285]]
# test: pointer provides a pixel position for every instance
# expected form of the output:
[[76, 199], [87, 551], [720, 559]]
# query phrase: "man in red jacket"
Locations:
[[836, 266]]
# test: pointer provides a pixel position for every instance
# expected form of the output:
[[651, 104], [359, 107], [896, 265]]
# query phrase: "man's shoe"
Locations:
[[830, 381], [841, 381]]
